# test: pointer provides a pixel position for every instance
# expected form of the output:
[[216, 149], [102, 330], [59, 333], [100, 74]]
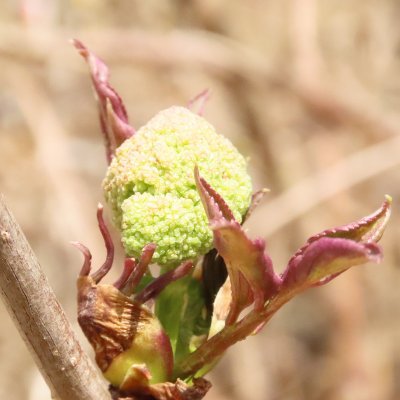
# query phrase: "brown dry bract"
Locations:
[[108, 318]]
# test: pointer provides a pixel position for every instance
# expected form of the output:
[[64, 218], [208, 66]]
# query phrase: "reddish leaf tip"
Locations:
[[103, 270], [113, 116], [215, 206], [129, 266], [154, 288], [140, 269], [85, 270]]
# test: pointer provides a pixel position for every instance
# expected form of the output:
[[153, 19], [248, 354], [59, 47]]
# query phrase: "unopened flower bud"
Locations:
[[152, 192]]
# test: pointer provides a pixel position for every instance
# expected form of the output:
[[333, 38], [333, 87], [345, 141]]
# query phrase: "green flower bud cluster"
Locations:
[[151, 189]]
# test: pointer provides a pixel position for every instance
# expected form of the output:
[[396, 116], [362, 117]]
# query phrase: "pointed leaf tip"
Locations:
[[214, 205], [373, 226], [87, 258], [367, 229], [326, 258], [113, 116]]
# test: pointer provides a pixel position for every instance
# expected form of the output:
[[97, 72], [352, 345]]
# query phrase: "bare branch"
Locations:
[[41, 320]]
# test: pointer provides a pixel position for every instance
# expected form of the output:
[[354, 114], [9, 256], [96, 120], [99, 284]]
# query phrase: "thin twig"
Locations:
[[41, 320]]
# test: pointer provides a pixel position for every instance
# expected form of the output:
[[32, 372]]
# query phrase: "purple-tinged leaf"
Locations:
[[367, 229], [325, 259], [250, 269], [113, 116], [331, 252], [321, 261]]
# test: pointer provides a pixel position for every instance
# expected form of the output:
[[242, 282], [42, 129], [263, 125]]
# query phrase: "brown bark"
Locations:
[[40, 319]]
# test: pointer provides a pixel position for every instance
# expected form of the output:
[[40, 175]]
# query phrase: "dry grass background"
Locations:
[[309, 89]]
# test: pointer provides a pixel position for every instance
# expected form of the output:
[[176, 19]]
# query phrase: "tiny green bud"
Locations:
[[151, 188]]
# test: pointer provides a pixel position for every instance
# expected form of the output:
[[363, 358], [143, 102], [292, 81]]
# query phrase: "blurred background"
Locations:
[[309, 90]]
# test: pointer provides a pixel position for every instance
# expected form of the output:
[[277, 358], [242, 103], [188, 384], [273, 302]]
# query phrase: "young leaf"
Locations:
[[250, 269], [332, 251], [113, 116]]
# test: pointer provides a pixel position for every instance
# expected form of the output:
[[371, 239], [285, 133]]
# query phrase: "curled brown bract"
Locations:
[[109, 319]]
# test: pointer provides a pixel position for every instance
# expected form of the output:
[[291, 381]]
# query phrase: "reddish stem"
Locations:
[[129, 266], [103, 270], [87, 262], [140, 269], [158, 285]]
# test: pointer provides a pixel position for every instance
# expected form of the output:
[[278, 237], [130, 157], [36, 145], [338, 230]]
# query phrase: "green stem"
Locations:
[[219, 343]]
